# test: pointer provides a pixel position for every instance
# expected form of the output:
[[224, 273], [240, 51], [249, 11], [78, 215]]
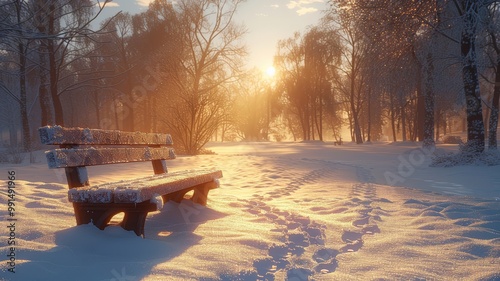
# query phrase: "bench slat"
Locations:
[[90, 156], [73, 136], [139, 190]]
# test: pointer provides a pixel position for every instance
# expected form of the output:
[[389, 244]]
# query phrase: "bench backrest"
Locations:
[[81, 147]]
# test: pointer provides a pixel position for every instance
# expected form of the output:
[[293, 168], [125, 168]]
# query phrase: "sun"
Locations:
[[271, 71]]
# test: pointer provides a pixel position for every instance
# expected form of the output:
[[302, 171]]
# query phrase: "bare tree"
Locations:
[[306, 64], [289, 60], [14, 16], [322, 54], [250, 108], [212, 59], [60, 25], [354, 50]]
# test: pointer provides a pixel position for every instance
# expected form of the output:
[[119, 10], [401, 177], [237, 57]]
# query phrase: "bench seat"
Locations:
[[143, 189]]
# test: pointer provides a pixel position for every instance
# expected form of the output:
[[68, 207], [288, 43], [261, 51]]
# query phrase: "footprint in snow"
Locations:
[[352, 247], [351, 236], [299, 233], [325, 255]]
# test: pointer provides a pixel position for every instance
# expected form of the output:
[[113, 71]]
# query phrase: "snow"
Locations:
[[284, 211], [88, 156], [61, 135], [158, 201]]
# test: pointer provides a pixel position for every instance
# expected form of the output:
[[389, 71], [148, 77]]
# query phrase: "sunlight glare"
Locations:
[[271, 71]]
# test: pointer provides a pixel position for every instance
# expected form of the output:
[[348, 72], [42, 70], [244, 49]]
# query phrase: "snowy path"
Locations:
[[301, 253], [283, 212]]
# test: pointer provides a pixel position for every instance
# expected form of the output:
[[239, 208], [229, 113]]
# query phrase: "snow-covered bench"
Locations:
[[80, 147]]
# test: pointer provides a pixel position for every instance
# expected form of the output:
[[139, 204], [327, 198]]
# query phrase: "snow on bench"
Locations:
[[81, 147], [139, 190]]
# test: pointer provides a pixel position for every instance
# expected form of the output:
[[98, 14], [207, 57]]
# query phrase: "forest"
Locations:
[[412, 70]]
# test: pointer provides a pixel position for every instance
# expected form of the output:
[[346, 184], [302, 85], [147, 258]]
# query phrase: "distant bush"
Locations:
[[464, 157], [279, 137]]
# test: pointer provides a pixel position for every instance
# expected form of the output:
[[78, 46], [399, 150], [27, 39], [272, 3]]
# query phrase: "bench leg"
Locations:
[[100, 217], [135, 221], [200, 194], [101, 214], [175, 196]]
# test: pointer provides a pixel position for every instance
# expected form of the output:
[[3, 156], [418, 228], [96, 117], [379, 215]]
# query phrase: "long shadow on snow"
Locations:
[[87, 253]]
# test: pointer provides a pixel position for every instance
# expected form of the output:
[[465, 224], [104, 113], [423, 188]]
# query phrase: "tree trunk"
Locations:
[[403, 123], [420, 111], [351, 126], [393, 119], [429, 104], [357, 130], [58, 110], [22, 82], [445, 123], [43, 94], [369, 121], [320, 125], [24, 99], [475, 123], [53, 73], [436, 125], [493, 124], [115, 112], [312, 119], [97, 108], [154, 126], [393, 127]]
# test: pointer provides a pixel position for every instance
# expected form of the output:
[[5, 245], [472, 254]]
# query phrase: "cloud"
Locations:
[[302, 11], [109, 4], [144, 3], [303, 7]]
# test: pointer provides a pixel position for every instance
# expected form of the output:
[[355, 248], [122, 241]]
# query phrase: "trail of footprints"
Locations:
[[295, 184], [364, 195], [301, 251], [299, 233]]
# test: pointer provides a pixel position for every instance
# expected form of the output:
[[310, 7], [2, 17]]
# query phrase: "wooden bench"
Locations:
[[80, 147]]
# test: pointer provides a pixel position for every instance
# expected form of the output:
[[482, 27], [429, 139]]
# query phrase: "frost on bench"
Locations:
[[90, 156], [82, 147], [59, 135], [140, 190]]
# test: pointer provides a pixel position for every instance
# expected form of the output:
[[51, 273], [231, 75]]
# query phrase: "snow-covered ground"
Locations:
[[285, 211]]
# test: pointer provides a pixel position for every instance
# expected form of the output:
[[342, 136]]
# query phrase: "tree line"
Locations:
[[407, 65], [403, 68], [170, 68]]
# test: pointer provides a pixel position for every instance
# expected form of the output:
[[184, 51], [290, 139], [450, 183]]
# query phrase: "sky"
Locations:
[[267, 21]]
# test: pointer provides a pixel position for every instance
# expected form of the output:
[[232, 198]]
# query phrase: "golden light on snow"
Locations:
[[357, 230], [271, 71]]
